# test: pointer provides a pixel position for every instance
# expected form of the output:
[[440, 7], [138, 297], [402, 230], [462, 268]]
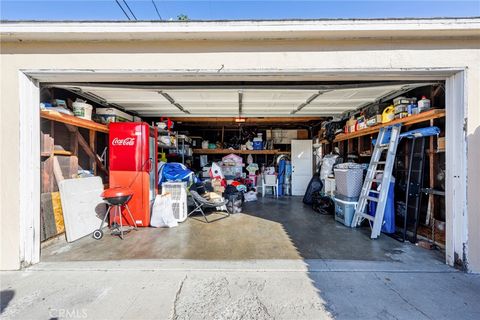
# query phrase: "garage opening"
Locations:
[[286, 161]]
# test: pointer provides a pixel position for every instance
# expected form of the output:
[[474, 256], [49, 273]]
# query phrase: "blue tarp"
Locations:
[[173, 171], [422, 132]]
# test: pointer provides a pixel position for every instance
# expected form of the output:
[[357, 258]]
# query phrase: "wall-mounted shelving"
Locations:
[[229, 151]]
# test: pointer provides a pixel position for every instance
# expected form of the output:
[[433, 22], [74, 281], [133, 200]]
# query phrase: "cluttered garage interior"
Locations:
[[351, 170]]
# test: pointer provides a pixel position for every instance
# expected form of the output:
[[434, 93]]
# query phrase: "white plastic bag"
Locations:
[[250, 196], [162, 212], [327, 165]]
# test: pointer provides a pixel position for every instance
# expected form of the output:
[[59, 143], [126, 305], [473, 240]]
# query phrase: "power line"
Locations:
[[128, 7], [122, 9], [156, 9]]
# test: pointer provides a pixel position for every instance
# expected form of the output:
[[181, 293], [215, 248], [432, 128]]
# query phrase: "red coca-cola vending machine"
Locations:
[[133, 163]]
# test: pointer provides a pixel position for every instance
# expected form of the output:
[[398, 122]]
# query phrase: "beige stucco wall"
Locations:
[[239, 55]]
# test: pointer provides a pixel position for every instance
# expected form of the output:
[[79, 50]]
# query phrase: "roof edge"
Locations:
[[238, 29]]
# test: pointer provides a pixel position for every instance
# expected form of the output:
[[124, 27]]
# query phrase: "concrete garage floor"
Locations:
[[267, 229], [278, 260]]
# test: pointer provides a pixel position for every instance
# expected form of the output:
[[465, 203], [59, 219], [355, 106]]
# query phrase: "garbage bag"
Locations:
[[313, 186], [250, 196], [234, 199], [162, 212], [322, 204], [328, 162]]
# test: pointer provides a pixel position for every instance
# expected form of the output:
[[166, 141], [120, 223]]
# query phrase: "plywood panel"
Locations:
[[82, 205]]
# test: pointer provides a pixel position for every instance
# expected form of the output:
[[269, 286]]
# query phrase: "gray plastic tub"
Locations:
[[344, 211], [349, 179]]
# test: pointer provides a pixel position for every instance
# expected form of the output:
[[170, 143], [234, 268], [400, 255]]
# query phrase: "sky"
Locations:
[[233, 9]]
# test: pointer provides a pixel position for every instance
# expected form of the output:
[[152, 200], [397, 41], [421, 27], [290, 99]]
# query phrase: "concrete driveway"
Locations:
[[254, 289]]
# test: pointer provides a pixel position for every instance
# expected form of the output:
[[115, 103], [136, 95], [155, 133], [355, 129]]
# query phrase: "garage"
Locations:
[[273, 222], [286, 122]]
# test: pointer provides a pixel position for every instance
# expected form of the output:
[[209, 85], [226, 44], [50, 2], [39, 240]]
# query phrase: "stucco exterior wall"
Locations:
[[279, 55]]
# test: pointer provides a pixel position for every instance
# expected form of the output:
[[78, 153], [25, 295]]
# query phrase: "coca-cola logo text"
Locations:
[[123, 142]]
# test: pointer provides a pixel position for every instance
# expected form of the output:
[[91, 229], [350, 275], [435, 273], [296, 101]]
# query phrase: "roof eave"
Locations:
[[240, 30]]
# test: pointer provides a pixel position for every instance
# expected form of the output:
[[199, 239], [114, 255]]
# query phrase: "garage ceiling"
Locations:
[[250, 102]]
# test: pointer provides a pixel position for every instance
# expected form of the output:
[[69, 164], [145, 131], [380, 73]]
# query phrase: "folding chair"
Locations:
[[200, 203]]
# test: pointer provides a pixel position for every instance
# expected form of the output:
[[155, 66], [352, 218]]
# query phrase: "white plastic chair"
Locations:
[[270, 180]]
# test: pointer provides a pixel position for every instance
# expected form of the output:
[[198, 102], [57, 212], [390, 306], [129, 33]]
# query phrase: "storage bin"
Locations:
[[107, 115], [388, 225], [344, 211], [349, 179], [232, 172], [257, 145], [345, 198]]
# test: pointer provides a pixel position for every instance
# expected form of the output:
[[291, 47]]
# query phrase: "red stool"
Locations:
[[116, 198]]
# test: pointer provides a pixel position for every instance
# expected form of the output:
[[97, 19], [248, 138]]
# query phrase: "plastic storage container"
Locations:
[[257, 144], [232, 172], [423, 104], [108, 115], [349, 179], [82, 110], [388, 225], [344, 211]]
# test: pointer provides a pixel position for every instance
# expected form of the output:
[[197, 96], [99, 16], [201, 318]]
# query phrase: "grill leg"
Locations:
[[131, 216], [120, 218]]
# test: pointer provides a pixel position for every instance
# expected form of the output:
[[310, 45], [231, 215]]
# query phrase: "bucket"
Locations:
[[82, 110]]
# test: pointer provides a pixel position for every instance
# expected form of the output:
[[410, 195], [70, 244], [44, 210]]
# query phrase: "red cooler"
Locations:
[[133, 164]]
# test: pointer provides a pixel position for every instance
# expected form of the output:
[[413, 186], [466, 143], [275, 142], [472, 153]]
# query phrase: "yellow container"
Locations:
[[388, 114]]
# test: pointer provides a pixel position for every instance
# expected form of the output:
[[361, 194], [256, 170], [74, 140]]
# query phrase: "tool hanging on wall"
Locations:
[[390, 134]]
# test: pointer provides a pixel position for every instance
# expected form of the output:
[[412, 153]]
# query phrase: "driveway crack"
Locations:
[[177, 297], [402, 297]]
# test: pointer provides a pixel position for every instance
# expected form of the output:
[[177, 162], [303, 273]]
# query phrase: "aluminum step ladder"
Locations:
[[378, 152]]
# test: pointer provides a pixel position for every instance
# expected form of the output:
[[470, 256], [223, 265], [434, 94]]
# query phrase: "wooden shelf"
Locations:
[[422, 117], [228, 151], [74, 121]]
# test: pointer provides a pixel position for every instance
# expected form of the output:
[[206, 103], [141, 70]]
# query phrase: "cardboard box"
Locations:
[[441, 143], [351, 124]]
